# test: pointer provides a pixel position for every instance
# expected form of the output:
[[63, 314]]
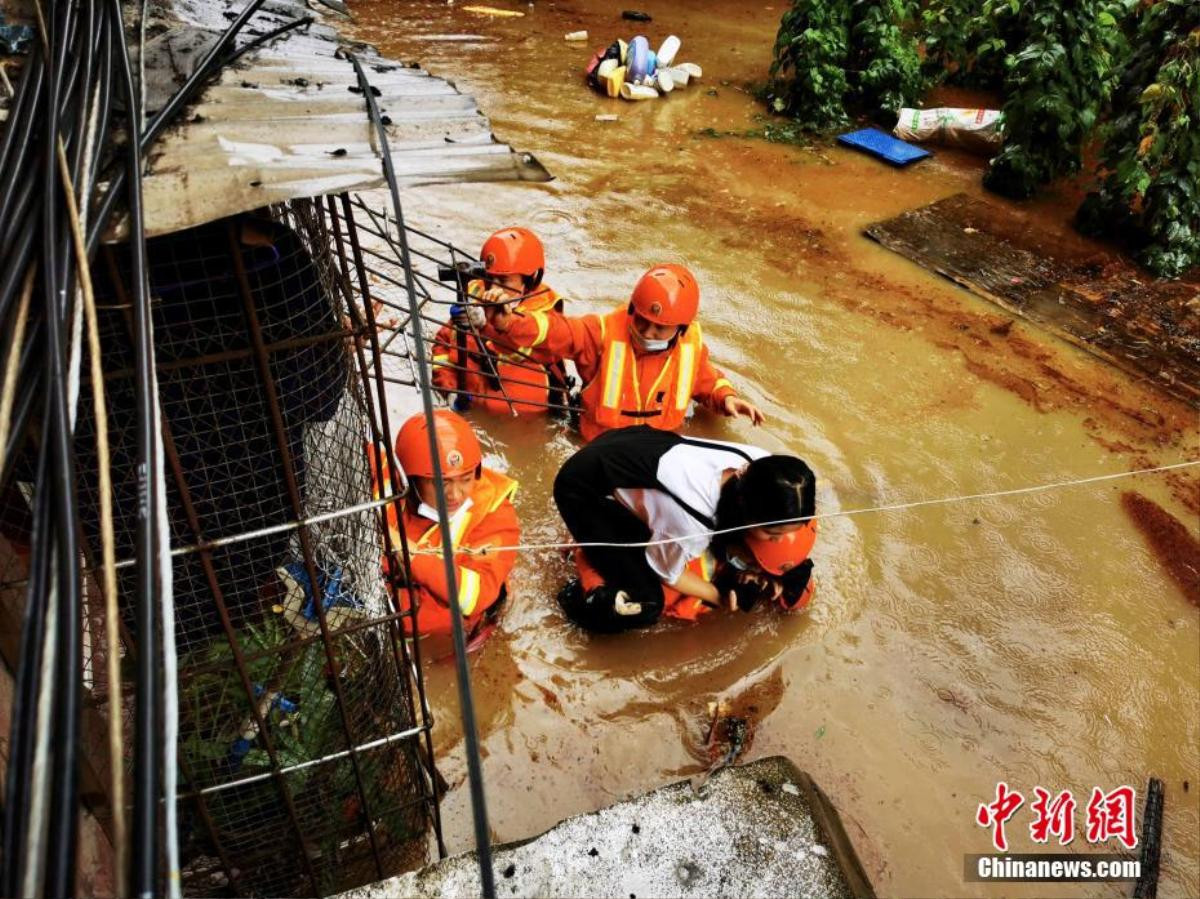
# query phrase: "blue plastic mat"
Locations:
[[883, 145]]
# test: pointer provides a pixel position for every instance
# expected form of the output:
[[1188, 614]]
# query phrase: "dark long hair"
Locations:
[[773, 488]]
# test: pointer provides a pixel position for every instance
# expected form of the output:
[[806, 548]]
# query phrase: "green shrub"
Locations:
[[808, 74], [885, 68], [963, 45], [1150, 196], [1055, 85], [837, 58]]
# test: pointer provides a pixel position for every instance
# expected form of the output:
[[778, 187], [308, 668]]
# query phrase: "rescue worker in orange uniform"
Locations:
[[514, 262], [481, 513], [641, 364]]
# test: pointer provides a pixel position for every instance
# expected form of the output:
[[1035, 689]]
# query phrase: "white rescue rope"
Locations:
[[841, 513]]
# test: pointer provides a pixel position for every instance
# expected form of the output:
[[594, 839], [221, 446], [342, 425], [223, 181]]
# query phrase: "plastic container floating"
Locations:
[[577, 36], [633, 71], [614, 80], [666, 53], [638, 92], [638, 61]]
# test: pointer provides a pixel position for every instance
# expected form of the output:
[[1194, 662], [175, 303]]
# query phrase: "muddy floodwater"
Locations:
[[1032, 639]]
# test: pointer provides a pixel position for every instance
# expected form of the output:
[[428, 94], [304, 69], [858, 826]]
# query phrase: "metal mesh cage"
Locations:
[[304, 750], [301, 765]]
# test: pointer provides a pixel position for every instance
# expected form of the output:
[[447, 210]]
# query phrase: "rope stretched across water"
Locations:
[[840, 513]]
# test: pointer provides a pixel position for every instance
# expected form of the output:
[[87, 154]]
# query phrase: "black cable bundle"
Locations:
[[63, 109]]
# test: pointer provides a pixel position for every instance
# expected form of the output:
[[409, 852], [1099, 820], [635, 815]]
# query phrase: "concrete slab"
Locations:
[[763, 829]]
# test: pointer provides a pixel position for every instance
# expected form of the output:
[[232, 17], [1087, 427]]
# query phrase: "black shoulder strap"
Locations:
[[687, 507], [719, 447]]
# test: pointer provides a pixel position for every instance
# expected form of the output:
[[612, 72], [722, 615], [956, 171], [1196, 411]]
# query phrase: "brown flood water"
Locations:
[[1032, 639]]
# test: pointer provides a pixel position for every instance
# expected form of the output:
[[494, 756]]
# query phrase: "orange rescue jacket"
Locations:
[[622, 387], [525, 378], [615, 396], [491, 520]]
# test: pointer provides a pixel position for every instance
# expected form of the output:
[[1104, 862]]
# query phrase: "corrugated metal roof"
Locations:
[[288, 121]]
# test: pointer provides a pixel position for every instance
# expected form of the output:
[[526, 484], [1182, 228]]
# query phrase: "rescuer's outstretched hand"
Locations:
[[735, 405]]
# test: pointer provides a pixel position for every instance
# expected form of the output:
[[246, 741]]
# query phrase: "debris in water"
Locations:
[[493, 11], [725, 729], [949, 696], [883, 146], [820, 732], [634, 15], [791, 789], [550, 698], [576, 36], [607, 117], [977, 130], [818, 849]]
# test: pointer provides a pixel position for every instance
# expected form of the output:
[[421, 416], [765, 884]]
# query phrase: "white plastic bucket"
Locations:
[[679, 76], [666, 53], [638, 92]]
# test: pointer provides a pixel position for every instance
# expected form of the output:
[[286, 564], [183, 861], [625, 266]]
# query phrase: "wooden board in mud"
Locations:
[[1091, 297]]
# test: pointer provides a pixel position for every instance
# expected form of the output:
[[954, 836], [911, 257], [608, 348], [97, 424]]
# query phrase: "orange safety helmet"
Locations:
[[514, 251], [666, 295], [458, 447], [778, 555]]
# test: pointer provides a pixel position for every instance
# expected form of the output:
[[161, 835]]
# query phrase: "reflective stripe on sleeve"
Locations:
[[469, 586], [543, 323]]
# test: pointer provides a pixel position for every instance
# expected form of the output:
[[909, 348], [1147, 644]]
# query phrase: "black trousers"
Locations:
[[584, 499]]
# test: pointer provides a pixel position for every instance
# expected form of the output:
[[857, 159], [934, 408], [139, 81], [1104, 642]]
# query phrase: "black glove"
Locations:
[[795, 582], [750, 587]]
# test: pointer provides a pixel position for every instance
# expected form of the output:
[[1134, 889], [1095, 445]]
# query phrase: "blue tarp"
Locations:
[[883, 145]]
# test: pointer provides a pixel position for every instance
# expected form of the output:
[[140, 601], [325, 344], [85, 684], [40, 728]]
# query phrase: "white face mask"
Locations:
[[427, 511], [651, 346]]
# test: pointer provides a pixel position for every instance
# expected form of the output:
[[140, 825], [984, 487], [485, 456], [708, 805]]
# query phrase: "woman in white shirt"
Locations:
[[641, 485]]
